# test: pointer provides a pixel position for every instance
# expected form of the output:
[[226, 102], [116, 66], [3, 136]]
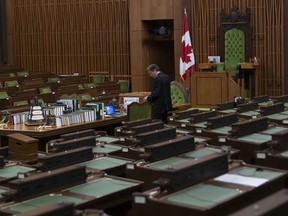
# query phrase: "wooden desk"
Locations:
[[140, 95], [46, 134], [212, 88], [206, 67]]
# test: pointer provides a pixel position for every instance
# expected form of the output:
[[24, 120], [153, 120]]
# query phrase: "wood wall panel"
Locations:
[[66, 36], [71, 36], [145, 48], [285, 8], [267, 18], [157, 9]]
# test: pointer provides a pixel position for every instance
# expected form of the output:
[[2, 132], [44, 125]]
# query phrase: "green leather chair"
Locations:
[[11, 83], [234, 49], [85, 98], [45, 90], [89, 85], [136, 111], [99, 78], [23, 73], [220, 67], [53, 80], [4, 100], [20, 103], [4, 95], [124, 86], [178, 93]]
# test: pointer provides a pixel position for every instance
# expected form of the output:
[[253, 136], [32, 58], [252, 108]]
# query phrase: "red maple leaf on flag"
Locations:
[[187, 50]]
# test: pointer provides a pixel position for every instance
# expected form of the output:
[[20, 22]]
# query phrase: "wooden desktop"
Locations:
[[139, 94], [45, 134]]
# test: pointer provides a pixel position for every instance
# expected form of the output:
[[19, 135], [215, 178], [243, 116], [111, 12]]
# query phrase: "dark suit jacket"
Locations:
[[160, 97]]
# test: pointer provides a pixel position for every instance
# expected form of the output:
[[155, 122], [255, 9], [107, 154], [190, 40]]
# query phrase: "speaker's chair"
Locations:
[[235, 33]]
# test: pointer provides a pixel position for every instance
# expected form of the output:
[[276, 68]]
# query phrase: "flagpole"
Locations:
[[187, 59], [190, 71]]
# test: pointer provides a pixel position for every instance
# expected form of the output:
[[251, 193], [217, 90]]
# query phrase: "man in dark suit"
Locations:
[[160, 96]]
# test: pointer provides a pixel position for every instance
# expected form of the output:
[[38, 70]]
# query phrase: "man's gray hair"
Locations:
[[153, 67]]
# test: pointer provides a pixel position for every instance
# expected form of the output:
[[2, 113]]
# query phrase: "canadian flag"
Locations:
[[187, 59]]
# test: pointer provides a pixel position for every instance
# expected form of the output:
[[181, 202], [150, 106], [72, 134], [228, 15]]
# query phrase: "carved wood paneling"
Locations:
[[66, 36], [267, 18], [72, 36]]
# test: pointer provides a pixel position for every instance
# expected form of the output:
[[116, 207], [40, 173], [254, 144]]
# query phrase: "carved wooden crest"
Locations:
[[235, 15]]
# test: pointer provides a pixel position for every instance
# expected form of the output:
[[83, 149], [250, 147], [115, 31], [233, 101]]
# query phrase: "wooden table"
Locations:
[[48, 133], [248, 75], [207, 67], [140, 95]]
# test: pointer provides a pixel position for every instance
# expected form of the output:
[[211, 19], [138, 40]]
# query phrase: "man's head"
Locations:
[[153, 70]]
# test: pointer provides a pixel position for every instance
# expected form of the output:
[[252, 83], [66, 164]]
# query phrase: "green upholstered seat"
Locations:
[[124, 86], [11, 83], [89, 85], [53, 79], [23, 73], [81, 87], [4, 95], [178, 93], [45, 90], [137, 111], [85, 97], [220, 66], [99, 78], [12, 75], [234, 49], [21, 103], [70, 96]]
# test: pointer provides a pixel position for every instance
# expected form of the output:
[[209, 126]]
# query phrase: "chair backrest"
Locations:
[[98, 78], [178, 94], [234, 49], [11, 83], [21, 103], [3, 95], [136, 111], [53, 79], [86, 97], [23, 73], [45, 90], [70, 96], [89, 85], [124, 86]]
